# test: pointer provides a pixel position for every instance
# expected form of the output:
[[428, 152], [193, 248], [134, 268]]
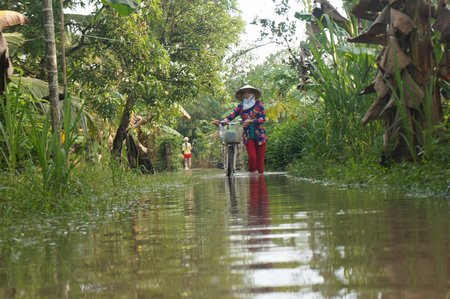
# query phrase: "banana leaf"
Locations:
[[171, 131], [123, 7]]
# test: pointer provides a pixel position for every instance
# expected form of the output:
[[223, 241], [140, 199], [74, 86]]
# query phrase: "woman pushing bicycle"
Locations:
[[251, 109]]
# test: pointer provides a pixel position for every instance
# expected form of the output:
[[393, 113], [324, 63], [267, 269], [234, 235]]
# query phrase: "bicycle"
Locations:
[[230, 134]]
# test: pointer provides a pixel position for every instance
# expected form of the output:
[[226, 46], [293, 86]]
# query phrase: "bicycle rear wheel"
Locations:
[[230, 160]]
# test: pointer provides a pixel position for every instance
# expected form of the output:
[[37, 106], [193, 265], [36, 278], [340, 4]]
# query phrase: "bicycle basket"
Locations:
[[232, 134]]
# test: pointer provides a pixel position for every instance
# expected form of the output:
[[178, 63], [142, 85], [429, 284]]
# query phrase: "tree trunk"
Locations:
[[52, 66], [419, 48], [122, 130], [63, 50]]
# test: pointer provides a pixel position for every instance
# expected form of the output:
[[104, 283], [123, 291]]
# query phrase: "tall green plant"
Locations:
[[11, 127], [336, 80], [287, 141], [405, 124], [53, 150]]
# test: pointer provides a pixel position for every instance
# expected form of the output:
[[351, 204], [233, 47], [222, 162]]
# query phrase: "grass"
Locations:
[[91, 189], [11, 125], [427, 178]]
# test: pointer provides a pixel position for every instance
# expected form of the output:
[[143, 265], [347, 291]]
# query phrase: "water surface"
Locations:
[[246, 237]]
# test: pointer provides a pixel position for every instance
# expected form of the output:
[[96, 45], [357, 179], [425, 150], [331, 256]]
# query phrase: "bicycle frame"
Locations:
[[230, 146], [230, 159]]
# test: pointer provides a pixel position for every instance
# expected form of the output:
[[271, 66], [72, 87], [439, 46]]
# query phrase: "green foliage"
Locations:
[[118, 173], [11, 128], [15, 40], [53, 153], [151, 56], [337, 76], [286, 144], [123, 7], [436, 146], [335, 146], [169, 153], [34, 46], [427, 178], [207, 145], [200, 130], [323, 122]]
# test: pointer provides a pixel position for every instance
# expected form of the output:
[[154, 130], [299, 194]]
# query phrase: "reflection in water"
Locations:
[[234, 206], [258, 213], [240, 237], [267, 256], [258, 226]]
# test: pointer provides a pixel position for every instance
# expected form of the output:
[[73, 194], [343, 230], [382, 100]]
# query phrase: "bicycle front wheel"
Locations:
[[230, 162]]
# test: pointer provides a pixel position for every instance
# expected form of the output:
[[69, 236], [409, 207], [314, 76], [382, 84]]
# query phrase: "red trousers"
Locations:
[[256, 155]]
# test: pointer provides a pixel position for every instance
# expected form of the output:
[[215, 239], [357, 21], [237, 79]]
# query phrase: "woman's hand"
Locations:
[[248, 120], [216, 122]]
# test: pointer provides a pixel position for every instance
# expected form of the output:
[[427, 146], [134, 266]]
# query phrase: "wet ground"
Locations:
[[247, 237]]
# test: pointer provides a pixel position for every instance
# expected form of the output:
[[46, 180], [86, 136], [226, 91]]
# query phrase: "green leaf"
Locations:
[[303, 16], [171, 131], [123, 7], [15, 40]]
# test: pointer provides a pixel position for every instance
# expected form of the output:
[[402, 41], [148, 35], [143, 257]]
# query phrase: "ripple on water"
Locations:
[[264, 237]]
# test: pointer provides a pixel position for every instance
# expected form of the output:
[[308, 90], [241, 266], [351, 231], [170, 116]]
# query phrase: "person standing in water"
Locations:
[[251, 110], [187, 153]]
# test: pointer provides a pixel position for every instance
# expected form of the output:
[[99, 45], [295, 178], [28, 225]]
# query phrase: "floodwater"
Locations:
[[247, 237]]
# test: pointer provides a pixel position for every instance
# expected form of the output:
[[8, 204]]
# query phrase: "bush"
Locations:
[[168, 153], [286, 144]]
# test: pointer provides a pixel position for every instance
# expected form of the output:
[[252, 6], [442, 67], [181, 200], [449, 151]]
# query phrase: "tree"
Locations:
[[166, 52], [162, 53], [410, 66], [52, 66]]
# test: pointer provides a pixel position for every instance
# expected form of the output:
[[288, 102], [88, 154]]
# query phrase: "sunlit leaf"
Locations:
[[171, 131], [123, 7], [357, 50], [183, 111]]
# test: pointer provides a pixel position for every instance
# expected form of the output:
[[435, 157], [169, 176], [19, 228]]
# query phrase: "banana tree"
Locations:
[[411, 65], [7, 18]]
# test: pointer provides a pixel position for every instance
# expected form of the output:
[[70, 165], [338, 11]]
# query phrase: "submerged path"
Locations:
[[247, 237]]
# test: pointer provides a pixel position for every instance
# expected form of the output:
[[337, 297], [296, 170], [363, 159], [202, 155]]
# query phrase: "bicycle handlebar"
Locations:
[[224, 123]]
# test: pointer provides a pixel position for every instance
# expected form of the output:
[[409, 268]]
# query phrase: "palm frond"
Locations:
[[15, 40]]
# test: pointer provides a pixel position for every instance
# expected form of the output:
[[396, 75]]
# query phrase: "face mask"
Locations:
[[249, 102]]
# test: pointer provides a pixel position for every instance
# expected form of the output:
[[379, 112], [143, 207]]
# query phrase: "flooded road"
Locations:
[[247, 237]]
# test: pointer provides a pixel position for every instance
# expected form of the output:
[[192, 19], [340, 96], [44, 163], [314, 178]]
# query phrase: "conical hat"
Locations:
[[240, 93]]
